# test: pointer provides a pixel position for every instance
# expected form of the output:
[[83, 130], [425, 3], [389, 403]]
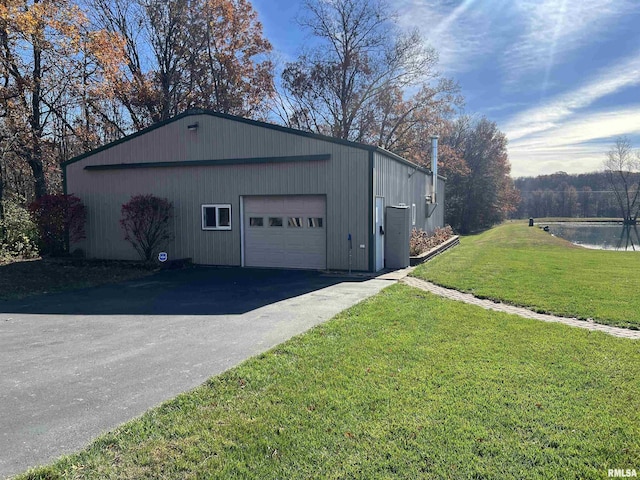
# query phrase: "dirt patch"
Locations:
[[22, 278]]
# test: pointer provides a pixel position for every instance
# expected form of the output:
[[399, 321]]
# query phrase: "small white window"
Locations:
[[256, 221], [413, 214], [216, 217], [275, 221]]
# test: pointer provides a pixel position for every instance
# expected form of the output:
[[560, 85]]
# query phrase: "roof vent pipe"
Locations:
[[434, 166]]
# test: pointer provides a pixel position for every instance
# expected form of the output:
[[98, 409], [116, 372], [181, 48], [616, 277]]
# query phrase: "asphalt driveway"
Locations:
[[75, 364]]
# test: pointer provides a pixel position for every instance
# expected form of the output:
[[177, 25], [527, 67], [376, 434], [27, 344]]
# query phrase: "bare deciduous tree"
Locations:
[[622, 169], [358, 56]]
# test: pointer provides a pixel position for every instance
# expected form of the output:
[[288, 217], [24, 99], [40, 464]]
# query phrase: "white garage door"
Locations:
[[285, 231]]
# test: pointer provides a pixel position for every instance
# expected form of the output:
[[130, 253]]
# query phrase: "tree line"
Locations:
[[76, 74], [613, 192], [561, 194]]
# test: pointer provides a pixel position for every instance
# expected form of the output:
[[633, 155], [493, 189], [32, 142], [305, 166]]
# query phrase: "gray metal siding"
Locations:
[[399, 183], [343, 179], [437, 219]]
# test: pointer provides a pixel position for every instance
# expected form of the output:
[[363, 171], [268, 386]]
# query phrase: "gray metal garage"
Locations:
[[250, 193]]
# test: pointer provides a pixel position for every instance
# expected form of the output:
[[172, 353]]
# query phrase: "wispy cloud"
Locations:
[[551, 29], [552, 113], [521, 36], [463, 32], [577, 145], [564, 134]]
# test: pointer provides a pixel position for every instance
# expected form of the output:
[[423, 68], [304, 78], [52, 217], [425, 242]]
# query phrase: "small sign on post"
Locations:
[[162, 256]]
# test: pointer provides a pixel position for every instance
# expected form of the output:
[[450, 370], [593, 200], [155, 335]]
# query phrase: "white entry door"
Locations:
[[379, 233], [285, 232]]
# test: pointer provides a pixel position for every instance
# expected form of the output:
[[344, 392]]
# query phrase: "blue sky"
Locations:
[[560, 77]]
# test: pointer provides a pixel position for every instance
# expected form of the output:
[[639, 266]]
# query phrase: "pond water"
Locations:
[[601, 236]]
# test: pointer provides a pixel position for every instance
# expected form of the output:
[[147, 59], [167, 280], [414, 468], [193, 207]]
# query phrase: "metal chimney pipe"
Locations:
[[434, 166]]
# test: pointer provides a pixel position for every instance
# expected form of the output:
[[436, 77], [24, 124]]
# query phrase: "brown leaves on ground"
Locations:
[[23, 278], [420, 241]]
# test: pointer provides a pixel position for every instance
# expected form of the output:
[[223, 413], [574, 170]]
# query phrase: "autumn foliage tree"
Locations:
[[145, 221], [235, 76], [404, 126], [46, 48], [480, 191], [76, 75], [207, 54]]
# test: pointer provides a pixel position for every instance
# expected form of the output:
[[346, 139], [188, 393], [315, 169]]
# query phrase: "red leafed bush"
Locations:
[[421, 241], [145, 220], [60, 220]]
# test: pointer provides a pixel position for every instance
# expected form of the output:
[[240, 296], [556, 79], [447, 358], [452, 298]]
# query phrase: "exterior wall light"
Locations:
[[193, 127]]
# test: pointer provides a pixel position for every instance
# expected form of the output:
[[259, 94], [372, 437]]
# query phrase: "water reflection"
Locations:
[[602, 236]]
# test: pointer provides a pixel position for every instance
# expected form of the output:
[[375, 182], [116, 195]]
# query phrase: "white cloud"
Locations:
[[551, 114], [576, 146], [564, 134]]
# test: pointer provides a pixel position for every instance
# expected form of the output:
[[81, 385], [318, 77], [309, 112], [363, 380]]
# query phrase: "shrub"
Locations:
[[60, 221], [145, 220], [18, 234], [421, 241]]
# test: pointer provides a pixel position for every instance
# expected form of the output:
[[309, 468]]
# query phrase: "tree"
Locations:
[[405, 126], [483, 193], [360, 59], [567, 201], [452, 164], [203, 54], [18, 233], [43, 46], [235, 76], [585, 198], [622, 169], [145, 221]]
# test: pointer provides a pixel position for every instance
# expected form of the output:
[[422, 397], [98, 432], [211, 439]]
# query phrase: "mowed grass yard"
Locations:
[[526, 266], [403, 385]]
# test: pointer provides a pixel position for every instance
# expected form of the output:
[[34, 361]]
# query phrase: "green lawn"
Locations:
[[525, 266], [404, 385]]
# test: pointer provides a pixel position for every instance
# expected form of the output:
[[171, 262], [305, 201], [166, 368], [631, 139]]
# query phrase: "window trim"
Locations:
[[218, 207], [413, 214]]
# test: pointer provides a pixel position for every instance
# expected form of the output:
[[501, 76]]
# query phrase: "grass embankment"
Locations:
[[22, 278], [404, 385], [525, 266], [543, 220]]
